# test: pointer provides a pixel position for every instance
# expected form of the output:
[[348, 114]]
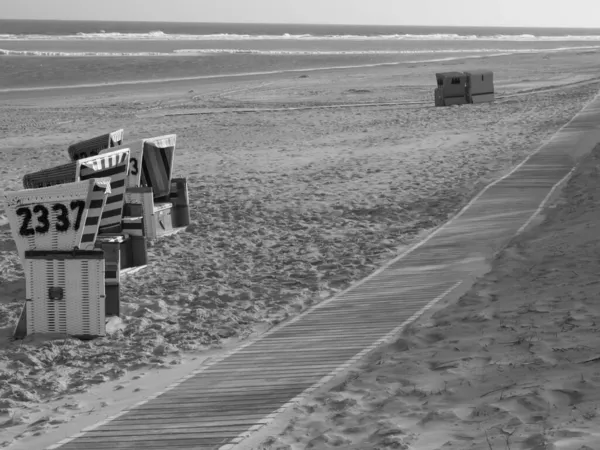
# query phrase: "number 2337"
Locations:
[[42, 218]]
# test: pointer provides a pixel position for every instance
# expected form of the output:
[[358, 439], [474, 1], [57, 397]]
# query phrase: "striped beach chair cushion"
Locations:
[[157, 164], [95, 206], [115, 165], [93, 146], [136, 150]]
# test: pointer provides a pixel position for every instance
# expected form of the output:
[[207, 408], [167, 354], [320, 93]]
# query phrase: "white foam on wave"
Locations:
[[4, 52], [239, 51], [159, 35]]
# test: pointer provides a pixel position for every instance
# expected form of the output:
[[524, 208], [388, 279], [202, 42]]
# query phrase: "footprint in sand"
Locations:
[[7, 245]]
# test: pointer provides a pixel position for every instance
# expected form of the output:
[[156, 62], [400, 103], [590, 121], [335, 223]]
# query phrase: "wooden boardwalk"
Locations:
[[217, 406]]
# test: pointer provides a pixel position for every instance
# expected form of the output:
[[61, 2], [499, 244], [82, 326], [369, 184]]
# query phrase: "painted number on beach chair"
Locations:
[[41, 213]]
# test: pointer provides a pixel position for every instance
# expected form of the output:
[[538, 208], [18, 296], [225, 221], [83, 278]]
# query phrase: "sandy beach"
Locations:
[[512, 364], [300, 184]]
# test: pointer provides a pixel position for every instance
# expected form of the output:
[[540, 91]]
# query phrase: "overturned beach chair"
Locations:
[[93, 146], [55, 230]]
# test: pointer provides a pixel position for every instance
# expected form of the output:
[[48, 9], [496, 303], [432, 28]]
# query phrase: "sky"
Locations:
[[517, 13]]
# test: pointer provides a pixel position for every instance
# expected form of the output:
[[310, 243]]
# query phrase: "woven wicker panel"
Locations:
[[65, 173], [56, 217], [79, 308], [113, 164], [43, 314], [86, 297], [93, 146]]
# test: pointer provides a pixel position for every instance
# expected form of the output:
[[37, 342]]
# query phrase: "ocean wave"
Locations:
[[239, 51], [4, 52], [191, 51], [161, 36]]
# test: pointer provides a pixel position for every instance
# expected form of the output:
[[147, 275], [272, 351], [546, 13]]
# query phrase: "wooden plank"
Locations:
[[239, 398], [241, 414], [179, 444], [144, 439], [208, 426], [192, 387], [164, 432], [175, 405]]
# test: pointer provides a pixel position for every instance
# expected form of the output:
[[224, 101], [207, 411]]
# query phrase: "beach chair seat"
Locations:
[[151, 163], [160, 216]]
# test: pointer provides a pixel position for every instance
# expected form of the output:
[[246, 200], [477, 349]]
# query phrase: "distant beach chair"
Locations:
[[451, 89], [480, 86]]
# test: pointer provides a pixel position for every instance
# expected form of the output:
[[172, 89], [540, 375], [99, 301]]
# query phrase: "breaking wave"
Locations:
[[161, 36], [236, 51]]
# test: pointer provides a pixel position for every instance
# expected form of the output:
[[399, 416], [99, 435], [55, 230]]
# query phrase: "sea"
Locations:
[[211, 49]]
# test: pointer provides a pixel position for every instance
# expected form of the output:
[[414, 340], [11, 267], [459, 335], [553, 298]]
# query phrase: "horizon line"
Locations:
[[300, 23]]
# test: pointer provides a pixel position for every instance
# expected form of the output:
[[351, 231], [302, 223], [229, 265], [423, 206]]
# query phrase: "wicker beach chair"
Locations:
[[113, 164], [93, 146]]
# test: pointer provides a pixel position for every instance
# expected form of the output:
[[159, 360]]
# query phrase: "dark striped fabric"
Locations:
[[181, 203], [93, 146], [114, 165], [111, 245], [94, 208], [157, 164]]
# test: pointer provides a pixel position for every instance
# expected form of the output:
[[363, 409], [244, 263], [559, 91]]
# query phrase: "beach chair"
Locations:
[[93, 146], [131, 250], [155, 204], [160, 216], [114, 164], [55, 229]]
